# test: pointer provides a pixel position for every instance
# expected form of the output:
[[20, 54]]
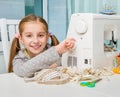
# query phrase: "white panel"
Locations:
[[8, 29]]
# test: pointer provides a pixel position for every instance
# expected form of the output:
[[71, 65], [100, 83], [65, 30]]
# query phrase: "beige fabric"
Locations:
[[64, 75], [49, 76]]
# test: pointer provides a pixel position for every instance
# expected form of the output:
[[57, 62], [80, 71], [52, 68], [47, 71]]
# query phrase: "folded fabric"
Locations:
[[49, 76]]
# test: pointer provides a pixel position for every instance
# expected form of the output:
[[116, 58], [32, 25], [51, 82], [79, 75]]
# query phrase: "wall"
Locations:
[[57, 18], [12, 9]]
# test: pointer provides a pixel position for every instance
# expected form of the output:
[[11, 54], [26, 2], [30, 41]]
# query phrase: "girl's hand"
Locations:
[[65, 46], [53, 65]]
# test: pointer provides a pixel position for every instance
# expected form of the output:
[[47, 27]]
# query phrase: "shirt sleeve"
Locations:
[[27, 67]]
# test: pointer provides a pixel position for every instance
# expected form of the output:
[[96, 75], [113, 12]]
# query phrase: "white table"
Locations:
[[14, 86]]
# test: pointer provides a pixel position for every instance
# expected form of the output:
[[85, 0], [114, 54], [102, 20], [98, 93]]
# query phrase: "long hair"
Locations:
[[15, 46]]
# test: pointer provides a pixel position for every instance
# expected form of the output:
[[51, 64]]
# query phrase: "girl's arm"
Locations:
[[27, 67], [52, 55]]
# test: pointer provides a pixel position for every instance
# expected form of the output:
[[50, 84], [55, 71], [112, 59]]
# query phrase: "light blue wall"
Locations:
[[38, 7], [12, 9], [34, 7], [57, 18]]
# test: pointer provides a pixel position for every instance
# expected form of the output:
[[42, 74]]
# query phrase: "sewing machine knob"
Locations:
[[81, 27]]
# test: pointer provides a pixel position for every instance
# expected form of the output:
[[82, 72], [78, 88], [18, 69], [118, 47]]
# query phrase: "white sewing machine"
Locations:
[[96, 40]]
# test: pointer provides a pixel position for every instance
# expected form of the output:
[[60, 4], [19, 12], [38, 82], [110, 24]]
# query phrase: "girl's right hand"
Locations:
[[65, 46]]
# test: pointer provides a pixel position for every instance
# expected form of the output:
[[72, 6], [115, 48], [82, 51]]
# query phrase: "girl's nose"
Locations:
[[35, 40]]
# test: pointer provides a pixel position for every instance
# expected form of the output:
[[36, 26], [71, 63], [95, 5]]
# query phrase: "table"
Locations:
[[13, 86]]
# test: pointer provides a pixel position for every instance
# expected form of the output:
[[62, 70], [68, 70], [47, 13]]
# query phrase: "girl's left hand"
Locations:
[[53, 65]]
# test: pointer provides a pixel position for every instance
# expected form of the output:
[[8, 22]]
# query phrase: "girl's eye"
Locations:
[[41, 35], [28, 35]]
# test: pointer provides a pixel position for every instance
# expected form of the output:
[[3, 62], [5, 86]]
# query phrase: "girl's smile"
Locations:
[[36, 47]]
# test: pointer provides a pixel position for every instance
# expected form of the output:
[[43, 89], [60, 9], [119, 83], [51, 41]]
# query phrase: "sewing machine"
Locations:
[[96, 40]]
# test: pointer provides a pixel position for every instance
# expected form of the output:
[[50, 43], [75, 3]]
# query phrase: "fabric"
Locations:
[[25, 66], [50, 77]]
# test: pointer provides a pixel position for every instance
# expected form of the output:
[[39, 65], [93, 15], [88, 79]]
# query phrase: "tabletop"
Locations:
[[13, 86]]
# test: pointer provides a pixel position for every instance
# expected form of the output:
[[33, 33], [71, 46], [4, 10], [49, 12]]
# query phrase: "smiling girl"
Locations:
[[36, 53]]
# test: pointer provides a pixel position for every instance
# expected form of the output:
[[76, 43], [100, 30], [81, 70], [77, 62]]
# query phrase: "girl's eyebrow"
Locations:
[[38, 32], [42, 32], [27, 32]]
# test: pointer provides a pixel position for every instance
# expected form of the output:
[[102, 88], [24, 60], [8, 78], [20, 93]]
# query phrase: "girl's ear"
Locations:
[[20, 40]]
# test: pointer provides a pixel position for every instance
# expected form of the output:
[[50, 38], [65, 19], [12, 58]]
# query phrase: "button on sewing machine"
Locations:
[[86, 61]]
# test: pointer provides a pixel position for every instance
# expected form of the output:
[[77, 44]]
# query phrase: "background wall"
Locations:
[[57, 18], [12, 9]]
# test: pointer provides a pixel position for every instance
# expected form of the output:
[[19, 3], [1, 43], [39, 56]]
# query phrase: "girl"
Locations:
[[37, 54]]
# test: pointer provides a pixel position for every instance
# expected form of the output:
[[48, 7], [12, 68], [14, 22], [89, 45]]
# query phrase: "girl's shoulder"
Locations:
[[22, 53]]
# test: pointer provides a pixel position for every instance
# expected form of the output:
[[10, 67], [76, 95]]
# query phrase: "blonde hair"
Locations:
[[15, 46]]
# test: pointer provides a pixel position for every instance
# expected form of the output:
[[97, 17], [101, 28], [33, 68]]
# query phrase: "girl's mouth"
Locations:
[[36, 47]]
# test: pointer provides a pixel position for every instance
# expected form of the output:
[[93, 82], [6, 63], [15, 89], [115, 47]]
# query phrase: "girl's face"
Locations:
[[34, 38]]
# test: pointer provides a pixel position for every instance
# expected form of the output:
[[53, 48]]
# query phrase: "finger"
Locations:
[[53, 66]]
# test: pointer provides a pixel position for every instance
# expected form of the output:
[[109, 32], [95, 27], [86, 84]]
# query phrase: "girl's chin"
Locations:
[[36, 52]]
